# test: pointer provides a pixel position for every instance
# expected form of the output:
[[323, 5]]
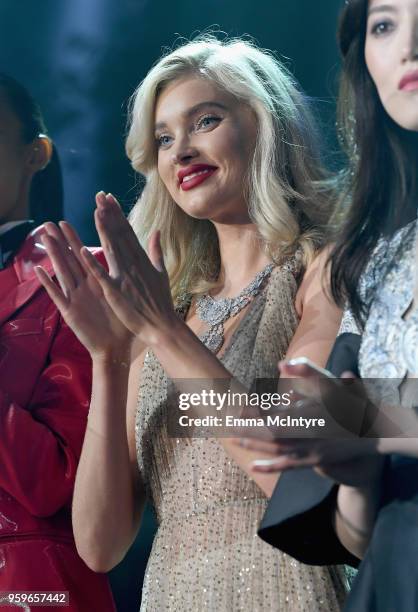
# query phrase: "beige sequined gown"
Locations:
[[206, 554]]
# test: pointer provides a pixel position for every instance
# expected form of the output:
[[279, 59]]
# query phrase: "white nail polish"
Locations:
[[264, 462]]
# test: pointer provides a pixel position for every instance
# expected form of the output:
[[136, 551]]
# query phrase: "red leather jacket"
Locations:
[[45, 385]]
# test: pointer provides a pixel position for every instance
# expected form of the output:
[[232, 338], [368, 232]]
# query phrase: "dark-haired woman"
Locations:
[[374, 269], [45, 381]]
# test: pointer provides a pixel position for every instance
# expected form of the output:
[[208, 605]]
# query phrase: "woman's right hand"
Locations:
[[80, 298]]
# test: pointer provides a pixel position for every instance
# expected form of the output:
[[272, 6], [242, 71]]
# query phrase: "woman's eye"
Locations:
[[207, 121], [382, 27], [163, 140]]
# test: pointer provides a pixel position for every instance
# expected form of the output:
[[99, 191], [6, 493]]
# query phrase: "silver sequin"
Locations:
[[389, 347], [206, 555]]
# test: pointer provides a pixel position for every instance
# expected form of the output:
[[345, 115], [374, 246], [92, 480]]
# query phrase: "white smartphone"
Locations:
[[305, 361]]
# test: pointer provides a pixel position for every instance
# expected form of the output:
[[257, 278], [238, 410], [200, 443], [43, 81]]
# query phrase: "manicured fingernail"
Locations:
[[264, 462], [101, 198], [111, 198]]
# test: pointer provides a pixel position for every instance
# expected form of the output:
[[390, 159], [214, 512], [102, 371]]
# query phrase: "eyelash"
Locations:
[[388, 27], [159, 140], [197, 125], [212, 118]]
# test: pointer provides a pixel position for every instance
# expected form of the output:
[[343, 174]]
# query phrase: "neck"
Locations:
[[19, 211], [242, 257]]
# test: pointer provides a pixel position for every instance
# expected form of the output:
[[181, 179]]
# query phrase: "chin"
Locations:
[[413, 125], [198, 209], [410, 124], [198, 214], [406, 115]]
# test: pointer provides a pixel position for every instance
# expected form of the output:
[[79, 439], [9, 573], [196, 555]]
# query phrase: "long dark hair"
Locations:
[[46, 193], [381, 182]]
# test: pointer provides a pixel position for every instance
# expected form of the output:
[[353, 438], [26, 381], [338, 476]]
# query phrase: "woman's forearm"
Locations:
[[195, 369], [356, 512], [104, 506], [184, 356]]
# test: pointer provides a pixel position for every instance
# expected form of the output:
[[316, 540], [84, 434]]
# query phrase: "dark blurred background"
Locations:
[[82, 60]]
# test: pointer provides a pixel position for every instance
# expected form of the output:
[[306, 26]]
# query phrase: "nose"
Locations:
[[410, 50], [183, 151]]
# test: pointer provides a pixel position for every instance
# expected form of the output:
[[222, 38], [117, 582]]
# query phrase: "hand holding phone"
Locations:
[[302, 366]]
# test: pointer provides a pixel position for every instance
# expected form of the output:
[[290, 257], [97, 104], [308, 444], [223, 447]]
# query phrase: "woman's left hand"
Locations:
[[137, 286], [349, 460]]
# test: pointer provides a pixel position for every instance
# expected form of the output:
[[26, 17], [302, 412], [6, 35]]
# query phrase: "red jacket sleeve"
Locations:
[[41, 443]]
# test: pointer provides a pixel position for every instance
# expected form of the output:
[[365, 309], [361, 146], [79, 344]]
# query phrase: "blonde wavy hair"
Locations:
[[289, 198]]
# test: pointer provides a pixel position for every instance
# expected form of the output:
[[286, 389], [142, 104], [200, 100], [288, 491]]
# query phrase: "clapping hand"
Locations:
[[107, 309], [137, 286], [79, 297]]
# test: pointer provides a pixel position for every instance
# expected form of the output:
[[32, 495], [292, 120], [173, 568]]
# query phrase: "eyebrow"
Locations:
[[382, 8], [193, 110]]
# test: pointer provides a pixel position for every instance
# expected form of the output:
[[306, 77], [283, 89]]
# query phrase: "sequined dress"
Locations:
[[206, 554]]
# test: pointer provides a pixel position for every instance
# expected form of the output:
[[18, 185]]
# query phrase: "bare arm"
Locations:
[[109, 496], [320, 317], [355, 514]]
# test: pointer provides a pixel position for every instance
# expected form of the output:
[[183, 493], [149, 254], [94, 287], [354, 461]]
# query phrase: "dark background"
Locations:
[[82, 60]]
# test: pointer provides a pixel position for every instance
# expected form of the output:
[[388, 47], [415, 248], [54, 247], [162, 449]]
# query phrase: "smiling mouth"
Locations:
[[196, 178], [189, 177]]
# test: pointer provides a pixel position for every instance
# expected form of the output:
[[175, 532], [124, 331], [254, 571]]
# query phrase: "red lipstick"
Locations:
[[409, 82], [194, 175]]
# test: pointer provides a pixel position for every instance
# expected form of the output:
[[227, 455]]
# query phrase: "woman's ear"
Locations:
[[41, 153]]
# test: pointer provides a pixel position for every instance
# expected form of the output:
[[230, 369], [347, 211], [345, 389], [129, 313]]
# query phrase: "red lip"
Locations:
[[206, 170], [409, 81]]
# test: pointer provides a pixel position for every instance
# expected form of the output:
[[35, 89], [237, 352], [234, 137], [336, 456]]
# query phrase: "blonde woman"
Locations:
[[236, 200]]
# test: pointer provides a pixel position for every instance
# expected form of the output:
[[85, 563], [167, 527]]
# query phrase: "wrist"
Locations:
[[356, 509], [348, 523], [113, 358], [168, 335]]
